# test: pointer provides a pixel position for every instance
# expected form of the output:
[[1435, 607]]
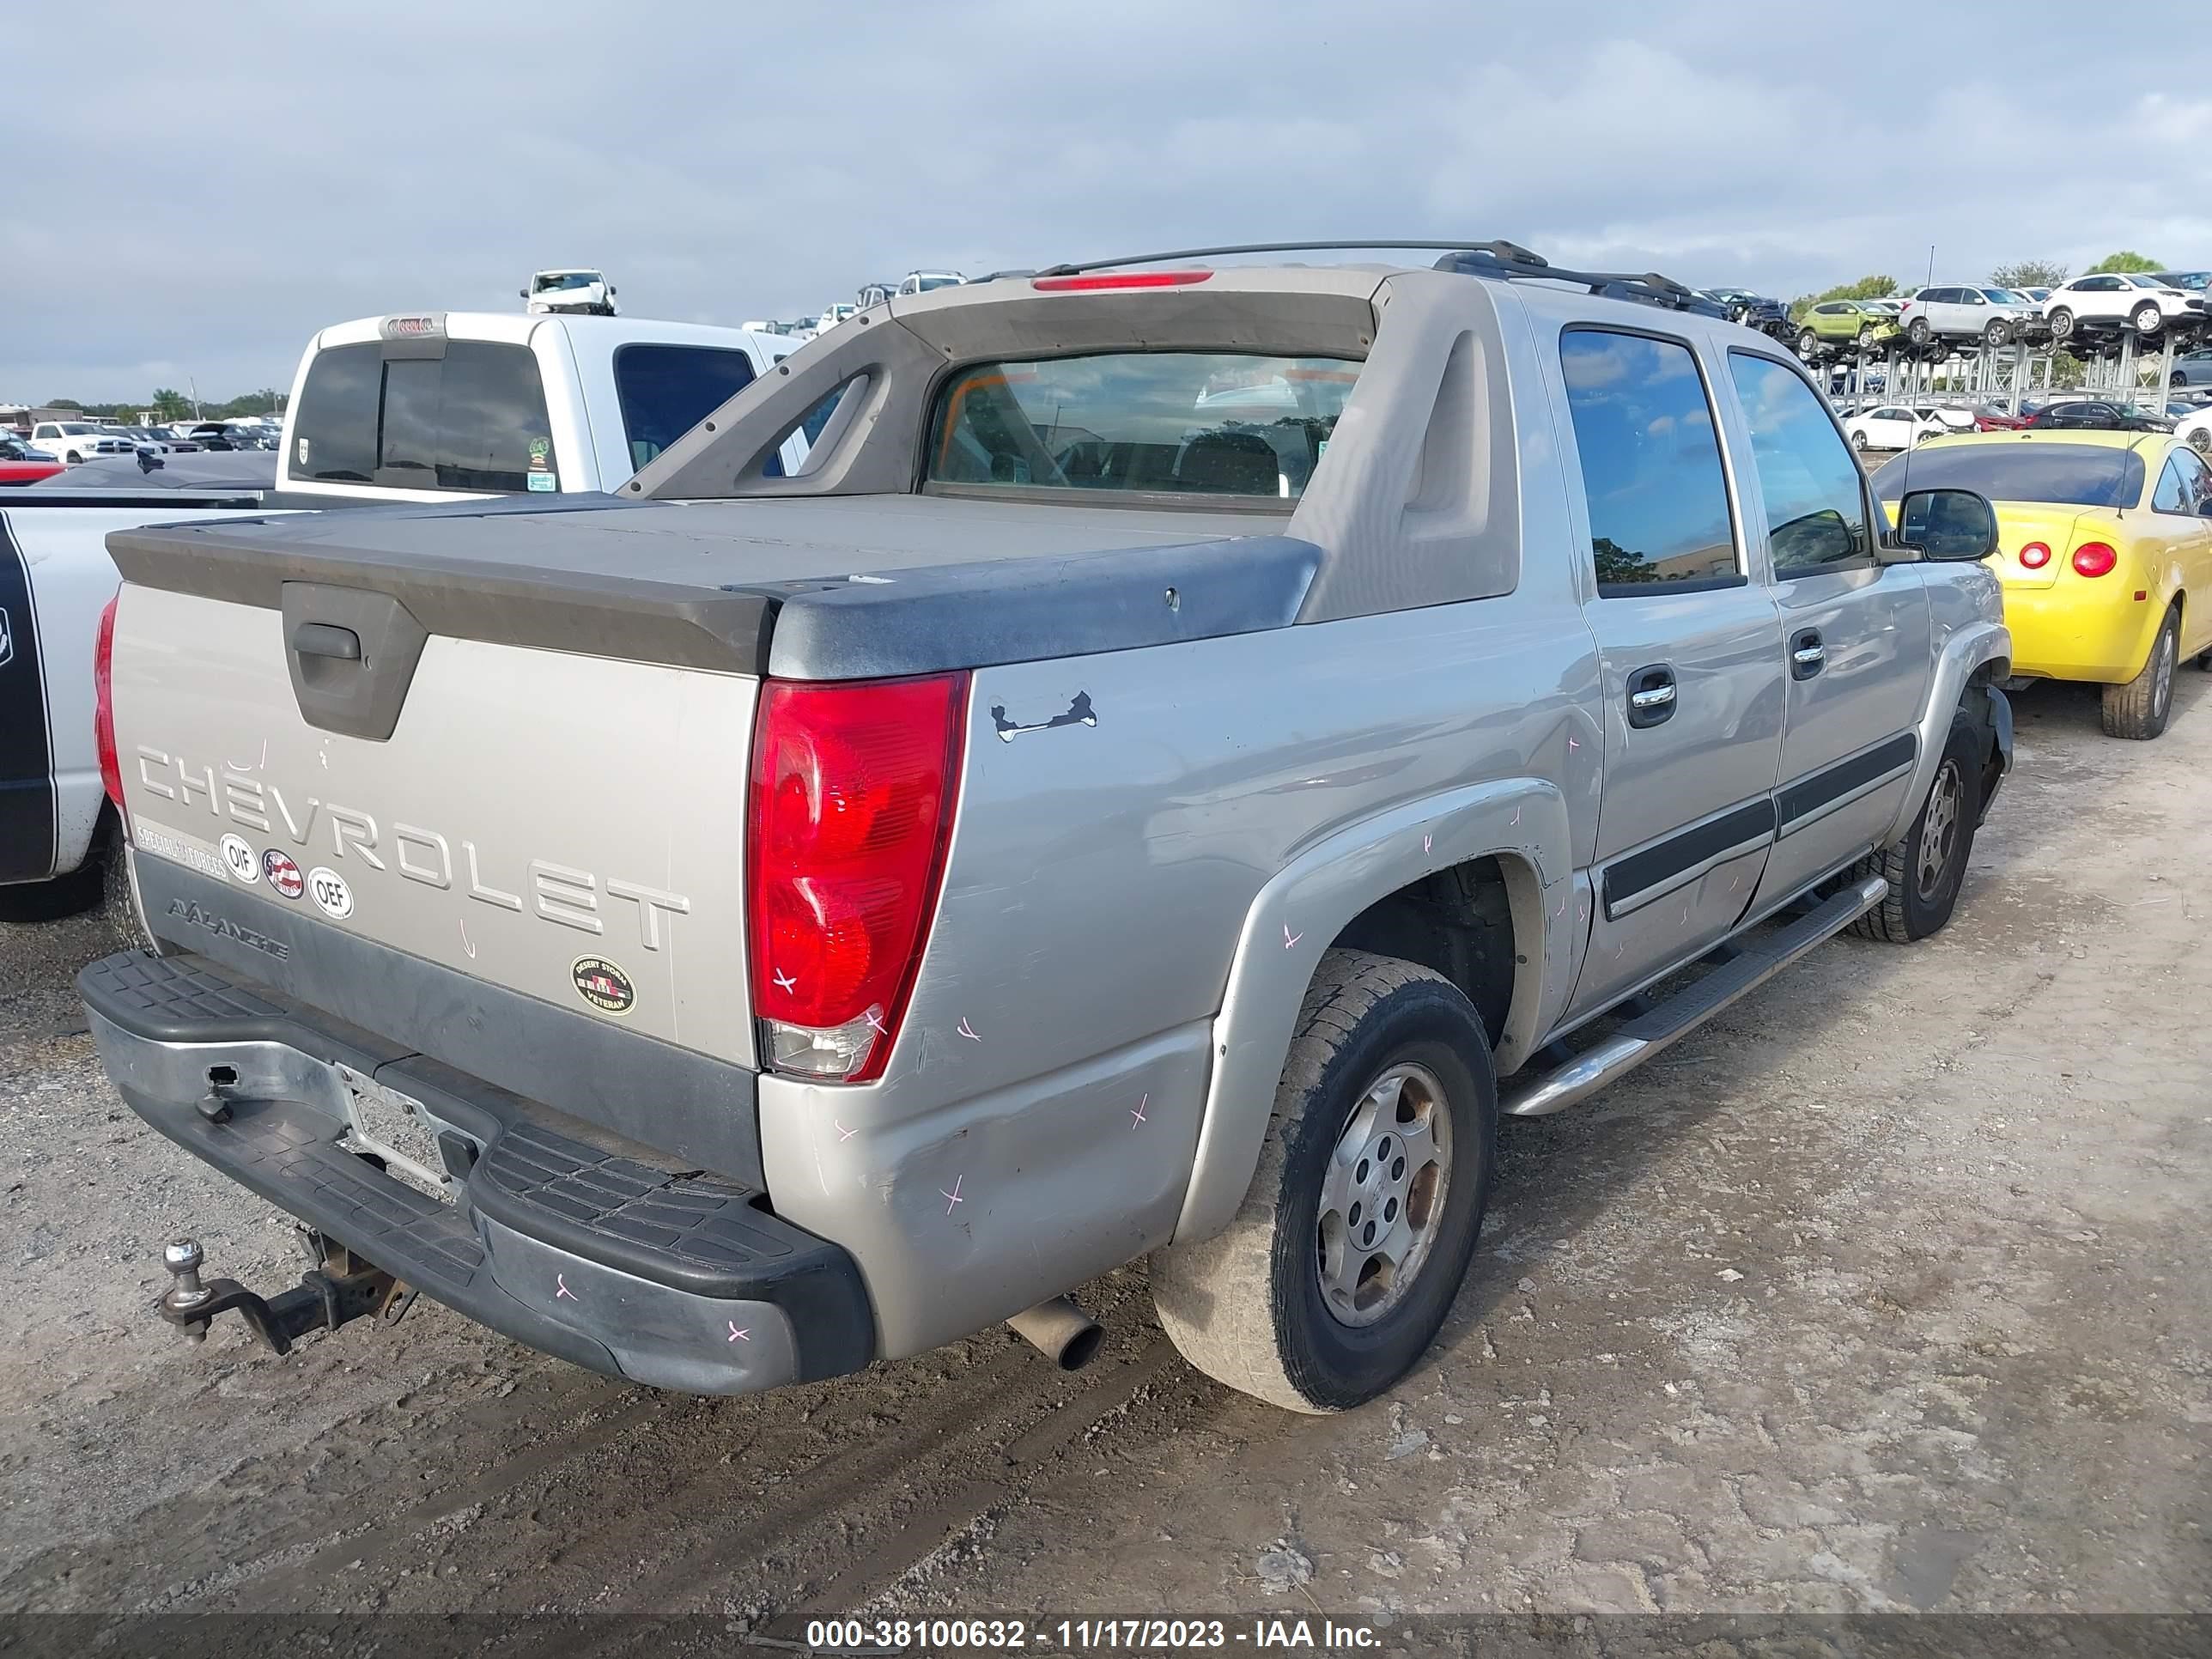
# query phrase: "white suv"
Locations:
[[1991, 315], [2145, 304]]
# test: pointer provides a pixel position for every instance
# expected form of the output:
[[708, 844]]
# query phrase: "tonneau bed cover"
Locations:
[[766, 586]]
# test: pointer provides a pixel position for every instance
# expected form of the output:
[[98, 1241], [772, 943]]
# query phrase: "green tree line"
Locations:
[[168, 403]]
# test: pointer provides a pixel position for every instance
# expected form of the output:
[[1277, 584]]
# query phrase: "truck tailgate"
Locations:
[[568, 827]]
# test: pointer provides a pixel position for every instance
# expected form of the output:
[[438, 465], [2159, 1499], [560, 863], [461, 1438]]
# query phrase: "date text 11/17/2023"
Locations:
[[860, 1637]]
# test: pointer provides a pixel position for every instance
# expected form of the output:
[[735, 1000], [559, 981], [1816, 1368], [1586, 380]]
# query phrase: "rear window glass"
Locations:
[[666, 389], [2069, 475], [334, 427], [472, 420], [1189, 423]]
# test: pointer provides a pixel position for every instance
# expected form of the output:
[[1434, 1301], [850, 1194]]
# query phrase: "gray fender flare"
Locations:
[[1967, 650], [1523, 821]]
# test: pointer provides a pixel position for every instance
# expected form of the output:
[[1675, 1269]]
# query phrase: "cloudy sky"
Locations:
[[192, 193]]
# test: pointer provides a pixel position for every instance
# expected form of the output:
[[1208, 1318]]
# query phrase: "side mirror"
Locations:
[[1947, 526], [522, 293], [613, 290]]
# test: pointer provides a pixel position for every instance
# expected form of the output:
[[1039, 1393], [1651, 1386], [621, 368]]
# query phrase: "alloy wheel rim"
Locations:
[[2162, 685], [1938, 832], [1383, 1196]]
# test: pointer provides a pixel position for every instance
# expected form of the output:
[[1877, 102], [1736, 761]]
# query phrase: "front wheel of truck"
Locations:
[[1927, 866], [1344, 1259]]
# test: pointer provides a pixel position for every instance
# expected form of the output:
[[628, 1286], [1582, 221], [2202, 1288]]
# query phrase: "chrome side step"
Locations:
[[1535, 1094]]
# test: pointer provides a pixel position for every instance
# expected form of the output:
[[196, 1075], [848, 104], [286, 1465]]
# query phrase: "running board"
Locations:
[[1648, 1034]]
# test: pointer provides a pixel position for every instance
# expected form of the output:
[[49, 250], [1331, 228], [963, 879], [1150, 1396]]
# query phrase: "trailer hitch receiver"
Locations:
[[339, 1288]]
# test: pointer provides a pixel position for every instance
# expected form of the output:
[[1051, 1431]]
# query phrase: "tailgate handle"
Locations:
[[352, 653], [325, 640]]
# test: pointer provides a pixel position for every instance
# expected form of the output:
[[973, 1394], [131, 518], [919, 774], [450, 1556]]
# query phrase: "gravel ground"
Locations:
[[1881, 1292]]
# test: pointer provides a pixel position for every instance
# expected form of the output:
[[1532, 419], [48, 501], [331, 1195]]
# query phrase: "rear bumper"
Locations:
[[2062, 633], [556, 1237]]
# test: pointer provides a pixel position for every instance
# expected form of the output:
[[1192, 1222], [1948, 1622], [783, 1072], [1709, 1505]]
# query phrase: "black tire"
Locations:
[[2146, 319], [1918, 331], [2062, 324], [2201, 440], [1859, 439], [1247, 1306], [1924, 891], [1997, 333], [2139, 708], [50, 901], [1807, 344]]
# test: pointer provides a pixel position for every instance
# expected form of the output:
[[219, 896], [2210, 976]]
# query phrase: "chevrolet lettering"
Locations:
[[556, 892]]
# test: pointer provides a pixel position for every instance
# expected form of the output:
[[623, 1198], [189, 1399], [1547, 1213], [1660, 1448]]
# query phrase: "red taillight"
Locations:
[[103, 704], [852, 791], [2094, 559], [1118, 279], [2035, 556]]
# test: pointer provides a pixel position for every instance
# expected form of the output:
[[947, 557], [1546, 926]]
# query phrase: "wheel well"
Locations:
[[1458, 920]]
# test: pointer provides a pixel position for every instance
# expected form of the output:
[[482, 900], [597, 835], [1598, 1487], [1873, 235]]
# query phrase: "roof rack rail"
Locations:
[[1495, 258]]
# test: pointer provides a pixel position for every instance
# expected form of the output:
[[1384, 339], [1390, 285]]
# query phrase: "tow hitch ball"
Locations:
[[339, 1288]]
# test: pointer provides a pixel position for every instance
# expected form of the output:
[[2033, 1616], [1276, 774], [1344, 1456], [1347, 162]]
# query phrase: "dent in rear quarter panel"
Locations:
[[1099, 881]]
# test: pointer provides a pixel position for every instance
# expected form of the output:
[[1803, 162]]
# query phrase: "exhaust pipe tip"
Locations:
[[1061, 1332]]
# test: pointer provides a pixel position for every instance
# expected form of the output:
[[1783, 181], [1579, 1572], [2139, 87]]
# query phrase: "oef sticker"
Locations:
[[283, 874], [543, 482], [238, 858], [330, 892], [602, 985]]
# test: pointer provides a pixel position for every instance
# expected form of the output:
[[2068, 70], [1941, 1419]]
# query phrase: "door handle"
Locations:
[[1650, 695], [1808, 655]]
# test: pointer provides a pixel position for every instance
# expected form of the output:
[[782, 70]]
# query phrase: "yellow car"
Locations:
[[2105, 549]]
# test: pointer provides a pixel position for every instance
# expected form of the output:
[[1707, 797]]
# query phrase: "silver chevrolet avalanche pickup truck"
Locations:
[[1188, 751]]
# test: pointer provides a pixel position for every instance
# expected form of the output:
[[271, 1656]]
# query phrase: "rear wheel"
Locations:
[[2138, 709], [1348, 1249], [2201, 440], [1925, 868]]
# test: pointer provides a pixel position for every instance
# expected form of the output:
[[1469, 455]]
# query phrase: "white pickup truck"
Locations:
[[430, 407], [77, 440]]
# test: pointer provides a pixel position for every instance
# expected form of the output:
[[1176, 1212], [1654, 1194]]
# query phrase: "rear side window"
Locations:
[[1180, 422], [334, 428], [1651, 462], [1816, 511], [666, 389], [2183, 486]]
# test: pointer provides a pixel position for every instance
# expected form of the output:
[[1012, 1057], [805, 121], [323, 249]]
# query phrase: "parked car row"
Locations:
[[71, 443]]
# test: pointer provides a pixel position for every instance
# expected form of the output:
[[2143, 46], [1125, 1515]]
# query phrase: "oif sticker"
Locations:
[[543, 483]]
